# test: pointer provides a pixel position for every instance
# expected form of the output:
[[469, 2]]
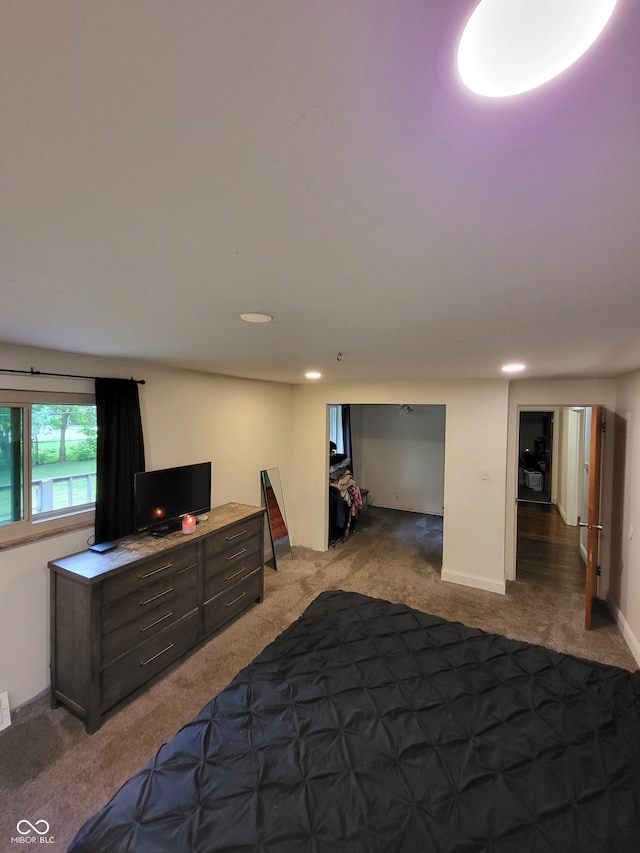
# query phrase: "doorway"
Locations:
[[550, 544], [397, 452]]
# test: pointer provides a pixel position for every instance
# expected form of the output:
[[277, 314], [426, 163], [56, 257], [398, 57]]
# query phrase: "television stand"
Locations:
[[166, 529]]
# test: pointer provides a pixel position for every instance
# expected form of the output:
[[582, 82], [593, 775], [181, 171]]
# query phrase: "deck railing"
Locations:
[[45, 497], [51, 494]]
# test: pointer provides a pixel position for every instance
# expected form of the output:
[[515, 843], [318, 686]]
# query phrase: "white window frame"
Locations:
[[335, 426], [31, 528]]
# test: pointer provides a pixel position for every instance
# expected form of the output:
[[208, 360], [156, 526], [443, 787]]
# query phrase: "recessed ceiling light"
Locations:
[[513, 368], [256, 317], [313, 374], [512, 46]]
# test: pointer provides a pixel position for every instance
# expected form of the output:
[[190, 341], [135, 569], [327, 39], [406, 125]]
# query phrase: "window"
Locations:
[[335, 427], [11, 464], [48, 447]]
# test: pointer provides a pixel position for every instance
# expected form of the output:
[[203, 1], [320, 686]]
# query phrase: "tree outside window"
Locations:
[[11, 464], [63, 451]]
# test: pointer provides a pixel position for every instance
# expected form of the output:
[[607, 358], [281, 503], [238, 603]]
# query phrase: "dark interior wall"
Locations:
[[533, 426]]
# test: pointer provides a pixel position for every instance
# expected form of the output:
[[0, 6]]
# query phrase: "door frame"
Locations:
[[594, 519], [511, 528]]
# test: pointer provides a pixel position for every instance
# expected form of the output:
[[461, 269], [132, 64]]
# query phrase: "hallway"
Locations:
[[548, 552]]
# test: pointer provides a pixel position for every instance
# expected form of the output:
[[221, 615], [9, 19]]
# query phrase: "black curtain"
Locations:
[[346, 432], [120, 456]]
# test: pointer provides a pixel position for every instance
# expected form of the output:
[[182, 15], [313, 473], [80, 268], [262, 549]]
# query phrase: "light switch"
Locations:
[[486, 475]]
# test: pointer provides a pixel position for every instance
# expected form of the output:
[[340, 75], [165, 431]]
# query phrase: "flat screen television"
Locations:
[[162, 497]]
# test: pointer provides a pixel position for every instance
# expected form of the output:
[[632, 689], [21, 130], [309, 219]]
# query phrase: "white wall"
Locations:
[[624, 588], [242, 426], [475, 440], [403, 457], [24, 614], [568, 463]]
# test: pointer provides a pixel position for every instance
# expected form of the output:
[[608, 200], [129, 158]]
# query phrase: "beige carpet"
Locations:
[[50, 769]]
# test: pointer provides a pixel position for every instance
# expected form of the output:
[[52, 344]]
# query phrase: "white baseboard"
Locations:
[[629, 637], [487, 584], [563, 514]]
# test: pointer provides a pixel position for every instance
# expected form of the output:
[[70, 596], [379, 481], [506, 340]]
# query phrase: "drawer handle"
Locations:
[[235, 535], [158, 621], [166, 649], [235, 574], [242, 595], [237, 554], [156, 597], [155, 571]]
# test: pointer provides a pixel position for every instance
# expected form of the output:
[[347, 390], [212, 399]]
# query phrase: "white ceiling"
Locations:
[[168, 164]]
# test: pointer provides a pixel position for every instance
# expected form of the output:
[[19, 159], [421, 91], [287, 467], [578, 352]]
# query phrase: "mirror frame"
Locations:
[[276, 516]]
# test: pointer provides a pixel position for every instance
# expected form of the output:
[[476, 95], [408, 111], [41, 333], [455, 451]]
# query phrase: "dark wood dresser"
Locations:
[[120, 618]]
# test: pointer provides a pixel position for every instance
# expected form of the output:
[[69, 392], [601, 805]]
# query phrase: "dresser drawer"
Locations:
[[148, 624], [232, 601], [147, 573], [223, 571], [232, 536], [130, 671], [146, 599]]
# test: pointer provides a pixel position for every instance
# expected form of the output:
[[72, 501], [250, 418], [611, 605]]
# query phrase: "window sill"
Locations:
[[37, 535]]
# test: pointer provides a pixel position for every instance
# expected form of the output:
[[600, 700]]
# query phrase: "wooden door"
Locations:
[[593, 519]]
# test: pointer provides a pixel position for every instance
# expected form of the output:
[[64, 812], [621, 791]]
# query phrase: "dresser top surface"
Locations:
[[89, 566]]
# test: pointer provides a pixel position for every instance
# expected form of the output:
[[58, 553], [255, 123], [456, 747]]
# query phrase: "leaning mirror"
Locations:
[[276, 516]]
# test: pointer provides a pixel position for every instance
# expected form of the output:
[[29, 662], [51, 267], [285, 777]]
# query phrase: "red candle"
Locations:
[[188, 523]]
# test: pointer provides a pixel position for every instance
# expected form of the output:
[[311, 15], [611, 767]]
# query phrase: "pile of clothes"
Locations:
[[345, 502]]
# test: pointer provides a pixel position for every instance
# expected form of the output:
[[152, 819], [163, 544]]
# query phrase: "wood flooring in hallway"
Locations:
[[548, 552]]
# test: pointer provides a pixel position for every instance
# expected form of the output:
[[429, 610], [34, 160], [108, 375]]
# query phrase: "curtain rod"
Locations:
[[33, 372]]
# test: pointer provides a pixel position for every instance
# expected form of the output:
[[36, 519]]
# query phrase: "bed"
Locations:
[[371, 727]]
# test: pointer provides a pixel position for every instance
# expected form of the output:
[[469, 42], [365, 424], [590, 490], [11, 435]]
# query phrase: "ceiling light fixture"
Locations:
[[513, 368], [313, 374], [511, 46], [256, 317]]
